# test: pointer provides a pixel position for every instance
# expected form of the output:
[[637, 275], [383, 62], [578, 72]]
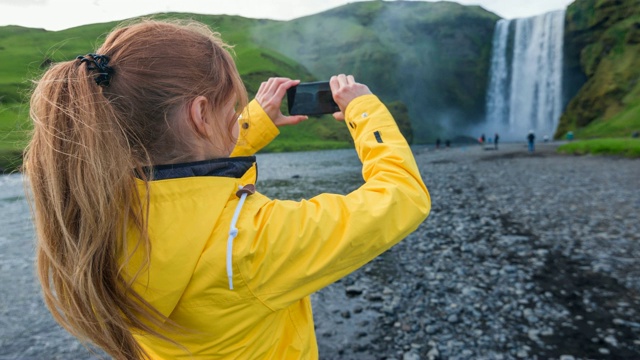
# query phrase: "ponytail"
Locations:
[[98, 120], [79, 169]]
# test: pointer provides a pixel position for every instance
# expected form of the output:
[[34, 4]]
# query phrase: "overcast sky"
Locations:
[[64, 14]]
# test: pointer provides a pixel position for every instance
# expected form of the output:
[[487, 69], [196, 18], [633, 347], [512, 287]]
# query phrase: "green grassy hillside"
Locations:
[[612, 147], [602, 40], [431, 58], [434, 57], [24, 53]]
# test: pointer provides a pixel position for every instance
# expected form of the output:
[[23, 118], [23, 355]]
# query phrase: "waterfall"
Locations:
[[497, 94], [525, 83]]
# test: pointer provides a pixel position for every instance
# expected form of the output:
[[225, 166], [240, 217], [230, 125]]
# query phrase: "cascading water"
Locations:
[[525, 86]]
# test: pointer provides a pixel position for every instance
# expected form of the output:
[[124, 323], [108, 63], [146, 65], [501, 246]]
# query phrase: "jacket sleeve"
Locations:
[[301, 247], [256, 130]]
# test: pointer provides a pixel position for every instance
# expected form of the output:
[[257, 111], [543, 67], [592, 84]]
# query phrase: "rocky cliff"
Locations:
[[602, 62]]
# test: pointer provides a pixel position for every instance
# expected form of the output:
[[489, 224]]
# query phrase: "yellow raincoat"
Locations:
[[278, 252]]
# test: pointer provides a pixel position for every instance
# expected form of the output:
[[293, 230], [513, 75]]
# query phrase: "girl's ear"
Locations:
[[199, 111]]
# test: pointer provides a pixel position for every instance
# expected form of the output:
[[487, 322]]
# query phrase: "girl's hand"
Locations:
[[270, 96], [345, 89]]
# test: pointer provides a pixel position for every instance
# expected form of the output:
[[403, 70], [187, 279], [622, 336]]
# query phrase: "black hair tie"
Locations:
[[99, 63]]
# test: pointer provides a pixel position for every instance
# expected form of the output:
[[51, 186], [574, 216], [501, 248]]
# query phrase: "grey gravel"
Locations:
[[524, 256]]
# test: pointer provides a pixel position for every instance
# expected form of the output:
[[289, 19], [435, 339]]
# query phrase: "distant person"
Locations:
[[152, 241], [570, 135], [482, 139], [438, 143], [531, 138], [447, 143], [495, 143]]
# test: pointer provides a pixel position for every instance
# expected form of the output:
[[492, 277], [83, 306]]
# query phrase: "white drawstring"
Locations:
[[233, 232]]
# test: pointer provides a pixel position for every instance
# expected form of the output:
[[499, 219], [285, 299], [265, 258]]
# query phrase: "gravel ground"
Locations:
[[532, 256]]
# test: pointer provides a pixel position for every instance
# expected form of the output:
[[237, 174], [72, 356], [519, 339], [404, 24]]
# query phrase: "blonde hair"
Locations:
[[88, 145]]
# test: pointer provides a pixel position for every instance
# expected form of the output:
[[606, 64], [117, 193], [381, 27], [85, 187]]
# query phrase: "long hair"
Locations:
[[89, 144]]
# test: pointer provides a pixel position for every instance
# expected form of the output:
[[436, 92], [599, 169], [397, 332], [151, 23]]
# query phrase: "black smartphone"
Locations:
[[311, 98]]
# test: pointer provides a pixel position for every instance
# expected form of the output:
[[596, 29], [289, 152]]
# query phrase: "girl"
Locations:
[[152, 242]]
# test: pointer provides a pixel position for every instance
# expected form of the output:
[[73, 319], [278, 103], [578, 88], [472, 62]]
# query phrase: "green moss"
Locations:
[[623, 124], [618, 147], [605, 34]]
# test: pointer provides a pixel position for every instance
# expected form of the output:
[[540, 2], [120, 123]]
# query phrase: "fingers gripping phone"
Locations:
[[312, 98]]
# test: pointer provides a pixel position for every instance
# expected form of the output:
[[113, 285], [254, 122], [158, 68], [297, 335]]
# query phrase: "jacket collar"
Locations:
[[234, 167]]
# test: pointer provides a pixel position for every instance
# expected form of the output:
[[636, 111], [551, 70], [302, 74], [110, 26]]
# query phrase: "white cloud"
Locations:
[[22, 2], [62, 14]]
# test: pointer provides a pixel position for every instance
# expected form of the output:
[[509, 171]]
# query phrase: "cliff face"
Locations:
[[433, 57], [602, 61]]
